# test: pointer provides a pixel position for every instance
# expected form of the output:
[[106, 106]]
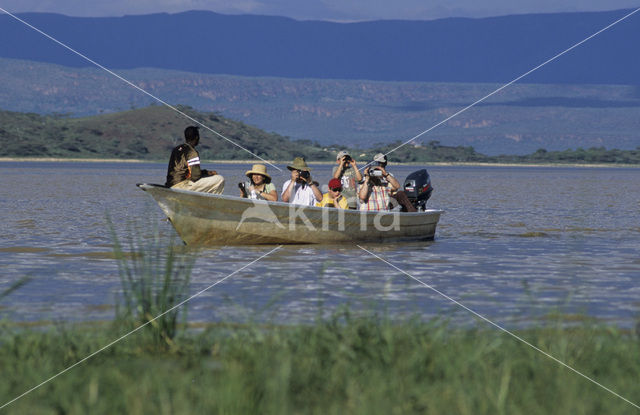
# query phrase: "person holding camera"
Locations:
[[300, 189], [375, 193], [348, 173], [259, 186], [380, 188]]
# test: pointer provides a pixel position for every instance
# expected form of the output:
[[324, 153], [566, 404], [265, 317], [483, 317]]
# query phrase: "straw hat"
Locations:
[[299, 164], [258, 169]]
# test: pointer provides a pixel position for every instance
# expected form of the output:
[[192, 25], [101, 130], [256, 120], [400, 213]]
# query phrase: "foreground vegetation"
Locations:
[[343, 364], [150, 134]]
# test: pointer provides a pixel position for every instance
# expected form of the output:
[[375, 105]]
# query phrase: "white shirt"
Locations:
[[302, 194]]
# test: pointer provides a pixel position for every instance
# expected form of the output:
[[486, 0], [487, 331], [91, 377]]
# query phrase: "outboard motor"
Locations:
[[417, 187]]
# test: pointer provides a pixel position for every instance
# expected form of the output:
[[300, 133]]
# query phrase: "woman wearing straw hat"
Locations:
[[300, 189], [259, 186]]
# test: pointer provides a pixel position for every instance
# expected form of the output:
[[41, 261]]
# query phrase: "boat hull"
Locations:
[[208, 219]]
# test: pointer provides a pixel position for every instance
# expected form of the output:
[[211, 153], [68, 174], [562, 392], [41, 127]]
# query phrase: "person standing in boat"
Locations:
[[184, 170], [348, 173], [300, 189], [259, 186], [334, 197], [380, 188]]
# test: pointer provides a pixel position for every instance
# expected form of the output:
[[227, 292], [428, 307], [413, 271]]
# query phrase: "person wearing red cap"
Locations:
[[334, 198]]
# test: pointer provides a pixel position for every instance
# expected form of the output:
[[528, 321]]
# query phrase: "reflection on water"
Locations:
[[513, 244]]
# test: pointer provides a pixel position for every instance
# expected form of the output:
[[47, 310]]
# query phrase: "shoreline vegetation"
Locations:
[[149, 134], [340, 364]]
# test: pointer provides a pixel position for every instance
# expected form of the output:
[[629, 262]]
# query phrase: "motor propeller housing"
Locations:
[[418, 189]]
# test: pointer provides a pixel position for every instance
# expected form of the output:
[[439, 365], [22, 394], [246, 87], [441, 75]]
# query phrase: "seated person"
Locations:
[[334, 198], [379, 187], [259, 185], [184, 170], [300, 189]]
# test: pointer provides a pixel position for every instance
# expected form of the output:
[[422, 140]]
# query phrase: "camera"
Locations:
[[305, 175], [243, 189], [375, 173], [347, 159]]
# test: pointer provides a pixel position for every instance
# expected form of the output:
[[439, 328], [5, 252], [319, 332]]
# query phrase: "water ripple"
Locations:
[[515, 244]]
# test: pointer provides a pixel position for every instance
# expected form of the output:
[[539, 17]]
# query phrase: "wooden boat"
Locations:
[[208, 219]]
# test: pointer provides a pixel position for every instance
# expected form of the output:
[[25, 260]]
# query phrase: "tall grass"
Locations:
[[340, 364], [155, 274]]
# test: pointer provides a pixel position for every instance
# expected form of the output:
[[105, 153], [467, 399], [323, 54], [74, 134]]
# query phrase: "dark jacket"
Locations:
[[184, 164]]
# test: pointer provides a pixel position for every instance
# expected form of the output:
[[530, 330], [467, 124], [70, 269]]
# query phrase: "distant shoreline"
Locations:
[[438, 163]]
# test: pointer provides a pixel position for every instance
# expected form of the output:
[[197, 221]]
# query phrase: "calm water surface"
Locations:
[[514, 244]]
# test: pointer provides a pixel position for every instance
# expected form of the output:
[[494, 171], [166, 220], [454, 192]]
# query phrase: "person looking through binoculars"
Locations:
[[300, 189], [347, 172]]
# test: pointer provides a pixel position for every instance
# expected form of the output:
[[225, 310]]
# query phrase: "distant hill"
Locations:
[[518, 120], [150, 134], [147, 133], [490, 50]]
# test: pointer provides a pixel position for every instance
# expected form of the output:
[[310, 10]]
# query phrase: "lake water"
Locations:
[[514, 244]]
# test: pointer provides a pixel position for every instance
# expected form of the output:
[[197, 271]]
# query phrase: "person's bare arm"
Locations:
[[316, 192], [355, 168], [365, 189], [392, 180], [339, 170], [272, 196], [286, 195]]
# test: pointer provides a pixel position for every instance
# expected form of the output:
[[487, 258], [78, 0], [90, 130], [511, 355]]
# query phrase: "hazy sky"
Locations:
[[340, 10]]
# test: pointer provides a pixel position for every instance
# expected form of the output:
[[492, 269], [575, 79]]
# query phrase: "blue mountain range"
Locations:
[[447, 50]]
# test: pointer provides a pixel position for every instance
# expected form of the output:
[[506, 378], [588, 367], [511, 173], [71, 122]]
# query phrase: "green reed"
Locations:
[[14, 286], [340, 364], [155, 275]]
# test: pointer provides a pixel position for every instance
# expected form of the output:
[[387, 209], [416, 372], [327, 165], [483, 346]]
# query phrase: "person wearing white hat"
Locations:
[[347, 172], [376, 191], [380, 158], [259, 185], [380, 187]]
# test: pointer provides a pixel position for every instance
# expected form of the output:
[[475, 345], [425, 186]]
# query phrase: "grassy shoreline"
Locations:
[[469, 164], [342, 364]]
